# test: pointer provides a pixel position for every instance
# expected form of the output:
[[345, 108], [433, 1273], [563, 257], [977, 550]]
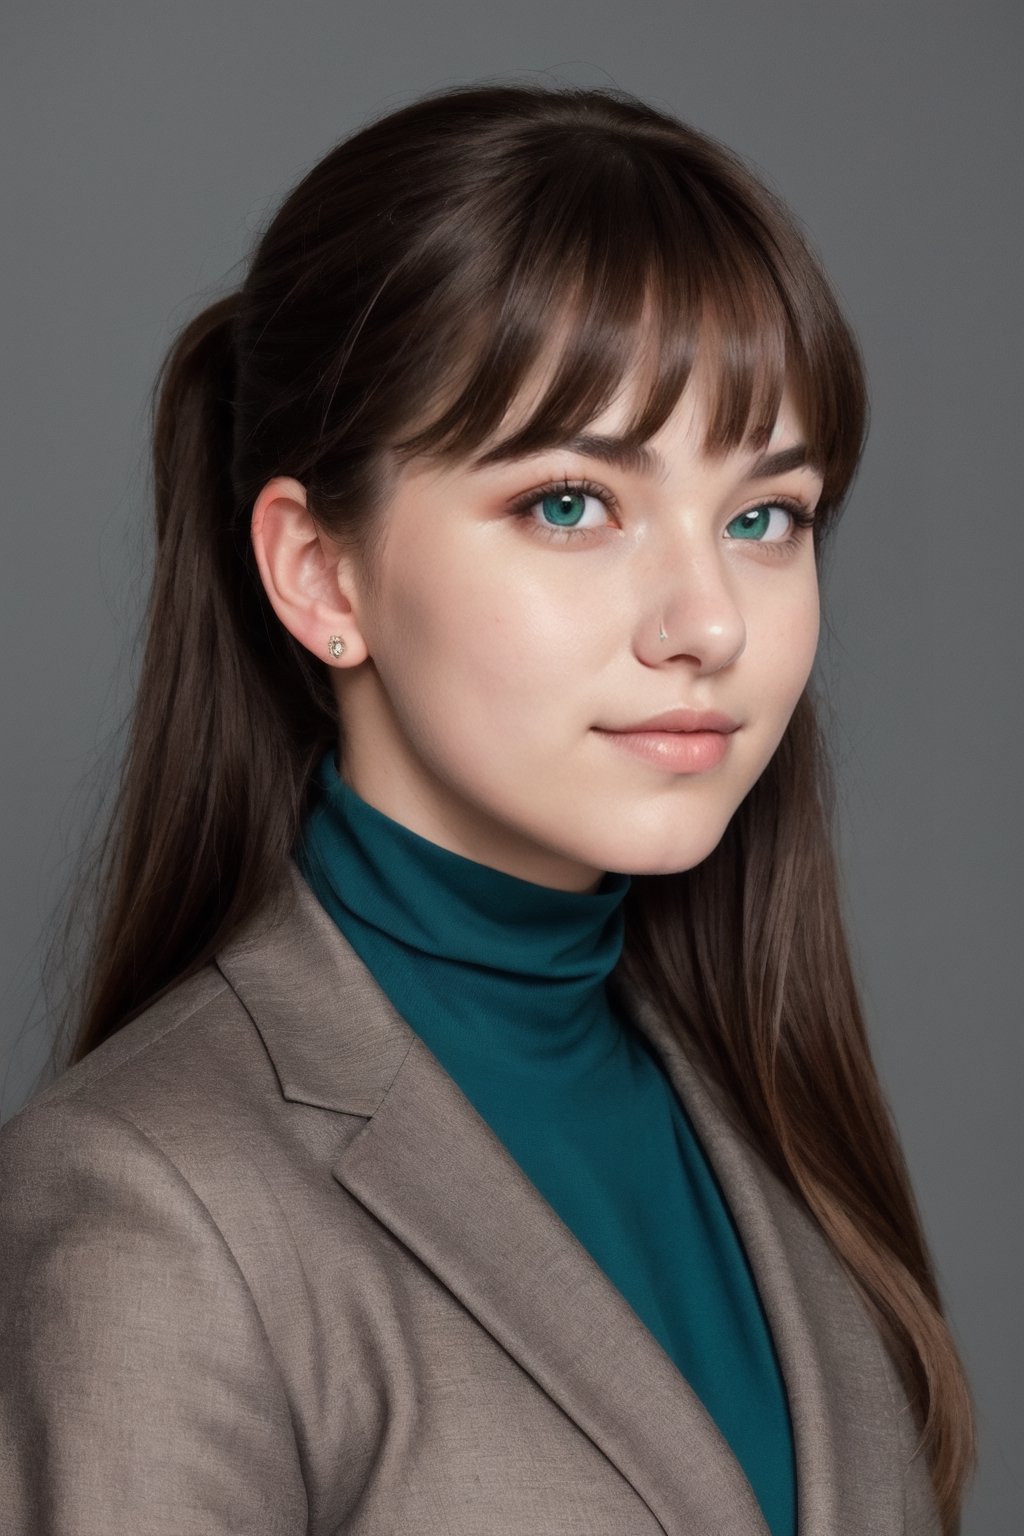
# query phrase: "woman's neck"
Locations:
[[457, 940]]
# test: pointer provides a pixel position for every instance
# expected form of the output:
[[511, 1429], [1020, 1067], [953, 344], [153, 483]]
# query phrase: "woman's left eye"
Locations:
[[772, 522], [566, 507]]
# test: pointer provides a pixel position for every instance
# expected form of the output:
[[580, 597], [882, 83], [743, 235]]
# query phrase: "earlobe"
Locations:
[[310, 582]]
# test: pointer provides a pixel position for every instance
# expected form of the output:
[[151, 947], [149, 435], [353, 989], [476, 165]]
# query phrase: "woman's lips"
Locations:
[[680, 739], [678, 751], [680, 718]]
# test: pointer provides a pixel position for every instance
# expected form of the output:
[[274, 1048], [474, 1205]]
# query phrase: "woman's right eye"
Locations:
[[567, 506]]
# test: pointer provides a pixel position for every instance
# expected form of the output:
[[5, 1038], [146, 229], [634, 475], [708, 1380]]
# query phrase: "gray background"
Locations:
[[144, 146]]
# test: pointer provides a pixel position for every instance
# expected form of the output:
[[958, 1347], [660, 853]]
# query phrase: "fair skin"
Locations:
[[487, 667]]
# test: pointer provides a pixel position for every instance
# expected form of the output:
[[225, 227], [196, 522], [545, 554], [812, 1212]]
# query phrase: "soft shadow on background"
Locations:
[[146, 145]]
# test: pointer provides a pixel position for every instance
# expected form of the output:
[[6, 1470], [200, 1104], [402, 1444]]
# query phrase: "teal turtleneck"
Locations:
[[504, 981]]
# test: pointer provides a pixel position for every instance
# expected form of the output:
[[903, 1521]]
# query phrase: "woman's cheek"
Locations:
[[789, 641]]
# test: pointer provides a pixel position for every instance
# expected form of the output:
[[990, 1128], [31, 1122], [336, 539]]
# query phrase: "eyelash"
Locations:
[[523, 506]]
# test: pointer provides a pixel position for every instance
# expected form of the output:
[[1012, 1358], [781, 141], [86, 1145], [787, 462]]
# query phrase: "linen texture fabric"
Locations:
[[265, 1269]]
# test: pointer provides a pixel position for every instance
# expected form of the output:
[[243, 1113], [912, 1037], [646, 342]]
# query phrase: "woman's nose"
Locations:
[[690, 613]]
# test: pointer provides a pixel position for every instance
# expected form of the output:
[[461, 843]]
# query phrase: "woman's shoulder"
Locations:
[[196, 1060], [147, 1144], [159, 1065], [179, 1134], [230, 1082], [191, 1001], [137, 1265]]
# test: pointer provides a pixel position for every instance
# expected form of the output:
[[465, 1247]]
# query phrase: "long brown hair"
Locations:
[[394, 306]]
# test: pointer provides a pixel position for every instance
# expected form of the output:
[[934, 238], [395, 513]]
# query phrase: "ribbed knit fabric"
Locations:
[[504, 981]]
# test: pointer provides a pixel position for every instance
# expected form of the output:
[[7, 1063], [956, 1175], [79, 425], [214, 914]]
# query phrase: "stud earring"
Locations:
[[336, 646]]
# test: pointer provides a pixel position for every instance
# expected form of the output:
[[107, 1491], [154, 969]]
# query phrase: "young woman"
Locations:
[[471, 1125]]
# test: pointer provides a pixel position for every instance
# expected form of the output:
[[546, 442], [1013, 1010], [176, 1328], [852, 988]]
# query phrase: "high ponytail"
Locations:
[[228, 717]]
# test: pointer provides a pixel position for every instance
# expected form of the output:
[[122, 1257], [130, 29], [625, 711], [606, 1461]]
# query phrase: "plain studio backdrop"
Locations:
[[146, 144]]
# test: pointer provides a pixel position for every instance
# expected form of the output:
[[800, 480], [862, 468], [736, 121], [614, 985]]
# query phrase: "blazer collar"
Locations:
[[431, 1170]]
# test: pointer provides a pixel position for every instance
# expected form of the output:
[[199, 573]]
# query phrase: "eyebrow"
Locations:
[[636, 458]]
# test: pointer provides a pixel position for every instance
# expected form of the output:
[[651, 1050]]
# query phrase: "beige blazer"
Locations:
[[266, 1270]]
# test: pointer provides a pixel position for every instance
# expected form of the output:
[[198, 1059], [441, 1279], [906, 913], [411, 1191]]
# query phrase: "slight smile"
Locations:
[[679, 740]]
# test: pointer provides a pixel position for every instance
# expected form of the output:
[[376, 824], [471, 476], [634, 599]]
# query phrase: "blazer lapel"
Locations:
[[849, 1477], [430, 1169]]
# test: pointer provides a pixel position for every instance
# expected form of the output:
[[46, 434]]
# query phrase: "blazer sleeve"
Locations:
[[138, 1391]]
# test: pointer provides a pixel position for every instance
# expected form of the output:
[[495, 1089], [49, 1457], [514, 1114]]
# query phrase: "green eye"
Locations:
[[754, 523], [564, 509]]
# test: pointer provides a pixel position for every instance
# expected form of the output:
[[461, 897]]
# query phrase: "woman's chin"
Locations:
[[664, 856]]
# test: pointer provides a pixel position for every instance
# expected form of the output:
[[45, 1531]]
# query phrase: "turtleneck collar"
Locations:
[[459, 946]]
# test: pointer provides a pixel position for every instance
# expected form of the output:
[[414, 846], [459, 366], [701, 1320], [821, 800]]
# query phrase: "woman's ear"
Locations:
[[310, 581]]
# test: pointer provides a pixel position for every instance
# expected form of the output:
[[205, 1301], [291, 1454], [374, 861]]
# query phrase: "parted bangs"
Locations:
[[613, 261]]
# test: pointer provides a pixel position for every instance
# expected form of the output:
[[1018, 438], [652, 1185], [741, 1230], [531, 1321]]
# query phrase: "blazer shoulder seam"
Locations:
[[63, 1091]]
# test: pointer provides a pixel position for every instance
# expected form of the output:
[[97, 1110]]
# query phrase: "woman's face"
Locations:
[[516, 653]]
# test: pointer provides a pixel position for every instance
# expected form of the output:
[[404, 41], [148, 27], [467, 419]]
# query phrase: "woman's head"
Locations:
[[444, 303], [523, 615]]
